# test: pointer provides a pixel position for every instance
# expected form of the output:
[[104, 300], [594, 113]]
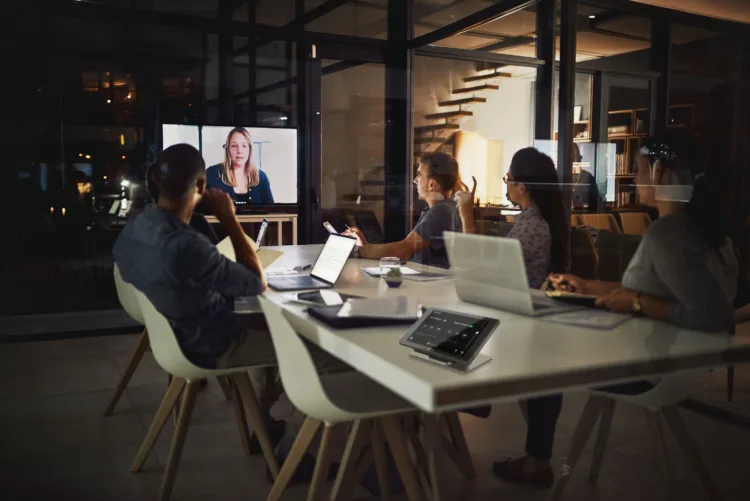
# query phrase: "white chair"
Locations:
[[333, 400], [660, 402], [186, 375], [129, 303]]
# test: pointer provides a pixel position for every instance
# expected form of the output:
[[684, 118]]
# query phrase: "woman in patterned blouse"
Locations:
[[542, 230]]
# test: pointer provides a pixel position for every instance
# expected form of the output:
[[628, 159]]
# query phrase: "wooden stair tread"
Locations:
[[450, 114], [479, 78], [436, 127], [475, 89], [465, 100], [428, 140]]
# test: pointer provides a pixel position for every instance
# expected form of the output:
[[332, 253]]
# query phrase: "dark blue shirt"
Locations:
[[260, 194], [184, 276], [443, 216]]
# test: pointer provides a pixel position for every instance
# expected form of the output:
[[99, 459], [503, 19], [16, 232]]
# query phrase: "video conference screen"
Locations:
[[254, 165]]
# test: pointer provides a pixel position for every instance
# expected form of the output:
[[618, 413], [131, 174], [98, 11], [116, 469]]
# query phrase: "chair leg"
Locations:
[[580, 436], [397, 443], [432, 445], [253, 413], [459, 453], [322, 464], [656, 430], [524, 410], [135, 359], [165, 408], [675, 422], [301, 444], [226, 387], [412, 432], [178, 441], [605, 425], [381, 460], [347, 473], [239, 414]]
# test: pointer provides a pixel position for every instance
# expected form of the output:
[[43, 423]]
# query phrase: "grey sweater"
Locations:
[[673, 262]]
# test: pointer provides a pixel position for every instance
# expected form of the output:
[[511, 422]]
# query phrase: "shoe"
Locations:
[[512, 471], [276, 432]]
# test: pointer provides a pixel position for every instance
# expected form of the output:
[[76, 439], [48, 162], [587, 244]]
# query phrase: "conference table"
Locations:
[[530, 356]]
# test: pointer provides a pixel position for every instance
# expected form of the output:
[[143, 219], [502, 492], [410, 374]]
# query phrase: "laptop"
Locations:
[[490, 271], [262, 232], [326, 271]]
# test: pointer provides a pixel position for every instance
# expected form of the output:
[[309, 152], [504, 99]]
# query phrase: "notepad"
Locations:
[[266, 256], [377, 271]]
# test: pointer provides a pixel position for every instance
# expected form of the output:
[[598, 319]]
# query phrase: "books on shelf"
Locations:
[[621, 164]]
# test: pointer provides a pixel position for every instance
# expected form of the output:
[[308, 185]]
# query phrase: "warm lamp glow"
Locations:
[[88, 157]]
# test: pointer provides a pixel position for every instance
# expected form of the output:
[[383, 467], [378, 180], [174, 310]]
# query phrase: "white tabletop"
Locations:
[[529, 356]]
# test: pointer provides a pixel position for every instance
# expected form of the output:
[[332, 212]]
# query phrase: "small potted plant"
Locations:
[[393, 277]]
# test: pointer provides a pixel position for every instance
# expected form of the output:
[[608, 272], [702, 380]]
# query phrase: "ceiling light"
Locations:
[[80, 154], [88, 157], [592, 16], [128, 95], [124, 157], [109, 101], [104, 177], [283, 118]]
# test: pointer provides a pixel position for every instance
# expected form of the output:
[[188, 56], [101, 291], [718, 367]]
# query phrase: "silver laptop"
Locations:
[[490, 271], [326, 271]]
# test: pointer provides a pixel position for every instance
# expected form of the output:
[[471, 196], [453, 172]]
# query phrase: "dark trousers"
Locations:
[[542, 414]]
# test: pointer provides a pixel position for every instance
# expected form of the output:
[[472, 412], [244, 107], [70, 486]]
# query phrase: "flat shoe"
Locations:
[[512, 471]]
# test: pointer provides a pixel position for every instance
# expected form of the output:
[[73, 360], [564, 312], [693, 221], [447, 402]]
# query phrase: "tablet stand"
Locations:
[[480, 359]]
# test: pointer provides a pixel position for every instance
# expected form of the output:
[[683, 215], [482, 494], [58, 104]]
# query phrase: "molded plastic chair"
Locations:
[[576, 220], [129, 303], [634, 223], [606, 222], [331, 400], [186, 375], [660, 402]]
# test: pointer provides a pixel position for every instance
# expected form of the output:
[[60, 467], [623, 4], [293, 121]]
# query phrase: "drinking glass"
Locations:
[[387, 263]]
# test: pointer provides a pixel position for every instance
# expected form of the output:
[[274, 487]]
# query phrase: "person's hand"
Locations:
[[619, 300], [567, 283], [220, 204], [354, 232], [465, 198]]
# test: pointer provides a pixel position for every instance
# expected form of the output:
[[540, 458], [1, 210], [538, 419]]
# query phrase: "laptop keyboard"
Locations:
[[299, 280]]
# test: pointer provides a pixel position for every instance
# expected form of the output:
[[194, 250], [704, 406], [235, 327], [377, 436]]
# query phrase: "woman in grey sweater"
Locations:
[[684, 272]]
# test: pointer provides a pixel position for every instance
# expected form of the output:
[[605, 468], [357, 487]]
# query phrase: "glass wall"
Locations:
[[353, 147]]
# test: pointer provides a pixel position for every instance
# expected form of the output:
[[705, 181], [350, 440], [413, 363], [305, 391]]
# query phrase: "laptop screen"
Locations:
[[333, 258], [262, 232]]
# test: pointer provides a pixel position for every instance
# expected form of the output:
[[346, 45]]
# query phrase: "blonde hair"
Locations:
[[251, 170]]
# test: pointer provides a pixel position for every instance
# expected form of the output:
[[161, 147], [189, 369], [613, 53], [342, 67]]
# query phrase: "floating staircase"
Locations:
[[431, 137]]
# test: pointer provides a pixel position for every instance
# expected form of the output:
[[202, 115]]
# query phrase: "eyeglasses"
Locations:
[[508, 180]]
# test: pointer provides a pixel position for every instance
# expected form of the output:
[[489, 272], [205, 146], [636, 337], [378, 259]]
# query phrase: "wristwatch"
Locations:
[[637, 307]]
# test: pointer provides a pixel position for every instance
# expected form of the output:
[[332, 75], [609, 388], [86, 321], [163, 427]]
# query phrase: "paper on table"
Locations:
[[267, 256], [392, 307], [589, 317], [426, 276], [377, 271]]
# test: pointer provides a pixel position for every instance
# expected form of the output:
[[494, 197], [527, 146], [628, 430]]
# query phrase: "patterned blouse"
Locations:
[[536, 241]]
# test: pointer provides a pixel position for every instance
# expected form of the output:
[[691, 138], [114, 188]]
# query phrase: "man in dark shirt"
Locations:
[[436, 179]]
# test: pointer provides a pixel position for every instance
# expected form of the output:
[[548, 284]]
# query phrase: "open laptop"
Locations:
[[490, 271], [326, 271], [262, 232]]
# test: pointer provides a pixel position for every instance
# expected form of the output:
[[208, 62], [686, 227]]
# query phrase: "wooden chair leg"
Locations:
[[397, 443], [656, 430], [459, 453], [605, 425], [226, 387], [347, 473], [675, 422], [322, 464], [135, 359], [178, 441], [580, 436], [250, 403], [381, 460], [239, 415], [432, 446], [412, 432], [165, 408], [301, 444]]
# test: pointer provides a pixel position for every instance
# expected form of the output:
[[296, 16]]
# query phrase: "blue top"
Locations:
[[257, 195], [184, 276], [431, 225]]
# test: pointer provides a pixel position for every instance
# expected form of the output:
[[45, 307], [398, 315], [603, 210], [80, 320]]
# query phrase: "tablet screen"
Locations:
[[448, 333]]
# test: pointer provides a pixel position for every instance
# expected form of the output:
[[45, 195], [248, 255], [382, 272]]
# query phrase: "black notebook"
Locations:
[[329, 315]]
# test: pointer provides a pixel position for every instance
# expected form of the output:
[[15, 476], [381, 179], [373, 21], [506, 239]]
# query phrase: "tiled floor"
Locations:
[[56, 445]]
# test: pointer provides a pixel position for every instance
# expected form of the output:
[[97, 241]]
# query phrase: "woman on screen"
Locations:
[[238, 175]]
